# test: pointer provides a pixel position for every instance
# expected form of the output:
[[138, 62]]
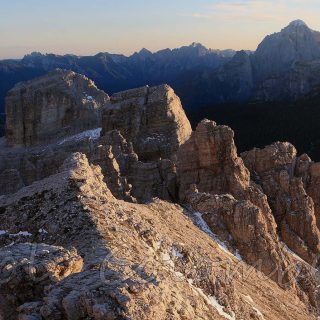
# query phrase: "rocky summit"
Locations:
[[132, 215], [48, 108], [151, 118]]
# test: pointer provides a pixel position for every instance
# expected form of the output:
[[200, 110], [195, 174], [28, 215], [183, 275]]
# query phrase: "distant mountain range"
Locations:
[[115, 72], [284, 67]]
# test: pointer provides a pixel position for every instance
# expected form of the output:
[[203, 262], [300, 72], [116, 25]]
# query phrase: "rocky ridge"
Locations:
[[232, 237], [135, 263]]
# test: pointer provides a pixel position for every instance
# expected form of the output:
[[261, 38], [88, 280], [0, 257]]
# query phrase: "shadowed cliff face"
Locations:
[[280, 51], [2, 125]]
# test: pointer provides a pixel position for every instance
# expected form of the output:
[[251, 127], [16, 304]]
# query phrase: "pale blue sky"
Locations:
[[124, 26]]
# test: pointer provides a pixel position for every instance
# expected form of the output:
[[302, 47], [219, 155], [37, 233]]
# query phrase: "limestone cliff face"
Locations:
[[209, 160], [112, 250], [50, 107], [286, 180], [243, 210], [129, 178], [208, 164], [136, 158], [151, 118]]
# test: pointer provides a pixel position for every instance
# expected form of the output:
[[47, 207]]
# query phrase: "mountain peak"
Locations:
[[297, 23], [196, 45], [145, 51]]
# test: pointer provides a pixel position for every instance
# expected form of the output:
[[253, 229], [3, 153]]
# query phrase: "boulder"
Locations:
[[27, 268]]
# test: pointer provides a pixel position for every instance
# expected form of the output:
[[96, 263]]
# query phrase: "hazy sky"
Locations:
[[124, 26]]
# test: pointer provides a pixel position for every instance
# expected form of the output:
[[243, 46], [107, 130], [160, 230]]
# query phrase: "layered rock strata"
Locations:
[[151, 118], [51, 107], [287, 180]]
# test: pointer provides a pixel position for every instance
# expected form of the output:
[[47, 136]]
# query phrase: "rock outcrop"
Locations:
[[138, 260], [28, 268], [51, 107], [20, 167], [214, 181], [243, 226], [208, 164], [142, 131], [110, 249], [285, 179], [129, 178], [151, 118], [209, 161]]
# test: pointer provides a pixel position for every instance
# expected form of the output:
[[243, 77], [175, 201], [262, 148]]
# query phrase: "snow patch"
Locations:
[[286, 248], [214, 302], [158, 245], [176, 253], [167, 260], [93, 134], [42, 231], [211, 300], [87, 99], [20, 233], [238, 255], [204, 227]]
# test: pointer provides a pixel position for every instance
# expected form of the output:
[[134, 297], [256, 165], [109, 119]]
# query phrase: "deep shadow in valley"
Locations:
[[2, 124], [257, 125]]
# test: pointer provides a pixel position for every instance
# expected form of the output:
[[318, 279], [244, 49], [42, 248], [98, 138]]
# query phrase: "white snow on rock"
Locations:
[[288, 250], [167, 260], [214, 302], [176, 253], [204, 227], [21, 233], [211, 300], [92, 134], [87, 99]]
